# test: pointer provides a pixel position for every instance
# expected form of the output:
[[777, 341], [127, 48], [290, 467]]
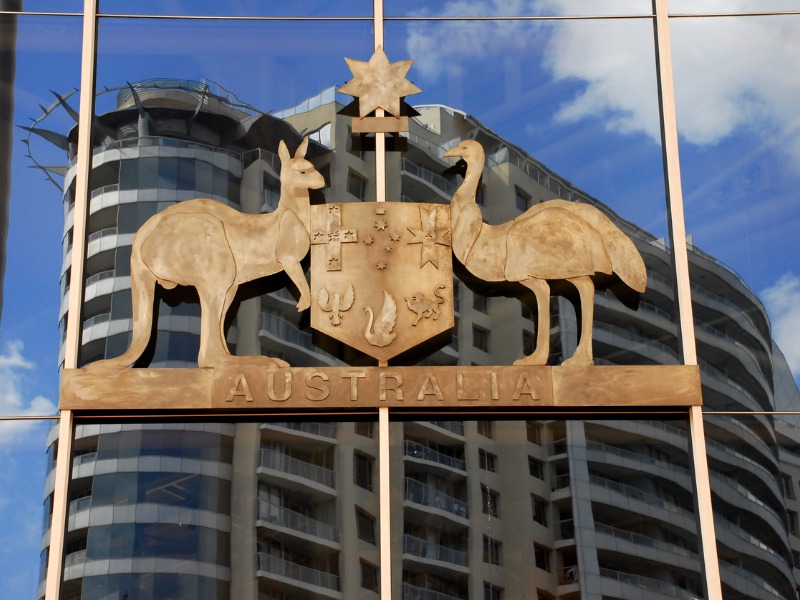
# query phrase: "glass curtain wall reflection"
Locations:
[[481, 509]]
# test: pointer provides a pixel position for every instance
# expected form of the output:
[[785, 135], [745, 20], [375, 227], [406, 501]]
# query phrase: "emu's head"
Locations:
[[470, 150]]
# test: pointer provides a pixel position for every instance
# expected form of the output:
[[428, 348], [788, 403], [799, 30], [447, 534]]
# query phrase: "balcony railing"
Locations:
[[279, 515], [426, 175], [456, 427], [80, 504], [425, 549], [279, 461], [284, 568], [102, 233], [99, 277], [412, 592], [635, 493], [83, 459], [327, 430], [423, 452], [648, 583], [641, 540], [421, 493], [75, 558]]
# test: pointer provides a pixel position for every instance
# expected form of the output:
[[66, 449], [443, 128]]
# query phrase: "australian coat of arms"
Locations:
[[381, 274]]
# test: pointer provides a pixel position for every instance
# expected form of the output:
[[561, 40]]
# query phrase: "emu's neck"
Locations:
[[465, 215]]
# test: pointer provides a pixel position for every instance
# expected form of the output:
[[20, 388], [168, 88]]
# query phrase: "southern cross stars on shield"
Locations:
[[334, 236]]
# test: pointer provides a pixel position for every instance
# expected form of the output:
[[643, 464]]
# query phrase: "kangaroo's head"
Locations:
[[298, 174]]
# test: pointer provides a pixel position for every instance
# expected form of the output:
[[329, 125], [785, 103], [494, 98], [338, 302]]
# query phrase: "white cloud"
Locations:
[[783, 304], [730, 73], [15, 400]]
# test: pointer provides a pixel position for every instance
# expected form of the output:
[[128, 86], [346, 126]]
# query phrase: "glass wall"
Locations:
[[194, 99]]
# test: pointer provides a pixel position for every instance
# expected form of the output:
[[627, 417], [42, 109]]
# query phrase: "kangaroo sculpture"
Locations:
[[214, 248], [553, 240]]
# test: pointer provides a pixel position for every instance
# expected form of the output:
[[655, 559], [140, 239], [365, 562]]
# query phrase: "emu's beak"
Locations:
[[452, 153]]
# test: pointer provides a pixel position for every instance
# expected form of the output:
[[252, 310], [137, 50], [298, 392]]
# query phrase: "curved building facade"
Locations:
[[599, 508]]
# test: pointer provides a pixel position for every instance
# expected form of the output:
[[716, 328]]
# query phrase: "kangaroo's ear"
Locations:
[[301, 149], [283, 152]]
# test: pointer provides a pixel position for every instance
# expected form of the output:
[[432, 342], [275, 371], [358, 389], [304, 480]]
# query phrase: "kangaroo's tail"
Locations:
[[143, 284]]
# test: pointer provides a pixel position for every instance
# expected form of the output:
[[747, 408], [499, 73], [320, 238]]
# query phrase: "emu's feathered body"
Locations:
[[554, 240]]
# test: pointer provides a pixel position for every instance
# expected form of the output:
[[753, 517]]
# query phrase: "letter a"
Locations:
[[240, 388]]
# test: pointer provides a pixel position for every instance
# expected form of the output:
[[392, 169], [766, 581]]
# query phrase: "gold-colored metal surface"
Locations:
[[381, 275], [553, 240], [248, 387], [214, 248]]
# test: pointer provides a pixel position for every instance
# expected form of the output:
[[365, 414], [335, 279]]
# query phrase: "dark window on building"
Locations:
[[541, 555], [490, 502], [369, 577], [365, 526], [788, 490], [492, 592], [793, 522], [485, 429], [356, 185], [523, 199], [480, 302], [534, 432], [536, 468], [539, 510], [365, 428], [491, 550], [362, 471], [488, 461], [480, 338]]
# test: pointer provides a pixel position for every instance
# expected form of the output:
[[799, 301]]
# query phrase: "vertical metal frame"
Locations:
[[72, 344], [680, 257], [683, 298]]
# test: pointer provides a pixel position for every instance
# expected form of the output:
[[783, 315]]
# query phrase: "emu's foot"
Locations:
[[578, 361], [303, 303], [537, 359]]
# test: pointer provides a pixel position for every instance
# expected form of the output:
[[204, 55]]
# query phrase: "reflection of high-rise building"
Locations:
[[481, 509]]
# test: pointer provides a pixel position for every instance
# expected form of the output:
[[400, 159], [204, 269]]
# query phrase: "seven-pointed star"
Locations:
[[379, 83]]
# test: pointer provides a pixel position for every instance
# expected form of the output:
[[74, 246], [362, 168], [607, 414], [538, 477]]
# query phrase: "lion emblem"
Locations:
[[425, 307]]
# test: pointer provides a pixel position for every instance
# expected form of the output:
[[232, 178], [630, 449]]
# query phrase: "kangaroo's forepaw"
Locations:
[[304, 303]]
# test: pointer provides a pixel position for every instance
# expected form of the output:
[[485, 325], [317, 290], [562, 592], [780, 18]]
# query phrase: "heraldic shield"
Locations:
[[381, 274]]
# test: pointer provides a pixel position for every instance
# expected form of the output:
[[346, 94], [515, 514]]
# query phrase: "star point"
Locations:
[[379, 83]]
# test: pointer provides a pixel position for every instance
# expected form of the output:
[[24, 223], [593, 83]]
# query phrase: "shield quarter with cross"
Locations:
[[381, 274]]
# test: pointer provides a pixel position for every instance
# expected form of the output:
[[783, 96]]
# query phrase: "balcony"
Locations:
[[430, 550], [279, 461], [423, 452], [648, 583], [412, 592], [426, 495], [326, 430], [290, 519], [290, 570], [456, 427], [80, 504]]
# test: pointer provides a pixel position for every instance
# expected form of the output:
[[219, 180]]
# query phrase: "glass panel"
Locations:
[[238, 8], [738, 153], [205, 132], [281, 509], [43, 6], [23, 554], [453, 8], [543, 509], [723, 7], [558, 123], [754, 463], [39, 54]]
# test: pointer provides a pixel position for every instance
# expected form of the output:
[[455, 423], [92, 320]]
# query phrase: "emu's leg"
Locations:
[[583, 353], [541, 290]]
